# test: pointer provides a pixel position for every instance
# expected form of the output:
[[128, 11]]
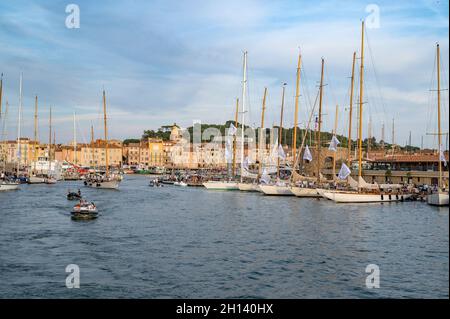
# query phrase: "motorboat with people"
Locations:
[[74, 195], [155, 183], [84, 210], [7, 185]]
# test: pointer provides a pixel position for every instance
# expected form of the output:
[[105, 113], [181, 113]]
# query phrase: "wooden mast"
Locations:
[[335, 132], [297, 95], [50, 135], [1, 94], [19, 155], [349, 154], [74, 139], [36, 145], [234, 137], [262, 133], [92, 146], [361, 92], [106, 134], [244, 96], [2, 140], [280, 133], [439, 112], [320, 121]]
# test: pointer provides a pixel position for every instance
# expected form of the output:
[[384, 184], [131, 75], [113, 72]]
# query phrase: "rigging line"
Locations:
[[430, 95], [372, 60]]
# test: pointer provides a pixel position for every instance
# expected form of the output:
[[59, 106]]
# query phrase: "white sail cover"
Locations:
[[307, 154], [245, 169], [363, 184], [442, 155], [232, 130], [265, 178], [390, 186], [334, 144], [344, 172], [351, 181]]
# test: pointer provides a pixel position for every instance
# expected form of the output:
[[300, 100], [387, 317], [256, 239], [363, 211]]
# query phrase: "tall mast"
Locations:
[[1, 94], [19, 155], [3, 139], [234, 138], [74, 139], [349, 155], [36, 145], [297, 95], [280, 133], [262, 134], [335, 132], [244, 93], [361, 92], [106, 135], [320, 120], [439, 111], [50, 135], [92, 144]]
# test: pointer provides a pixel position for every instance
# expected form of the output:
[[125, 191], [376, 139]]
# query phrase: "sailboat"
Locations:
[[305, 190], [35, 178], [280, 187], [230, 184], [440, 197], [108, 180], [5, 183], [365, 193], [253, 186]]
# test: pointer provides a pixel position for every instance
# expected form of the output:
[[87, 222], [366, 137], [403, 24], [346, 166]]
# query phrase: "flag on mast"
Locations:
[[442, 155], [307, 154], [334, 144], [344, 172], [232, 130]]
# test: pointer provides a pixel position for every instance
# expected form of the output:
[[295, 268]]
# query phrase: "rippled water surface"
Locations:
[[193, 243]]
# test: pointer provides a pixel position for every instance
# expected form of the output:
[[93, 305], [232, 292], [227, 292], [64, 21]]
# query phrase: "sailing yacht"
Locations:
[[253, 186], [107, 180], [5, 183], [365, 193], [307, 188], [230, 184], [280, 187], [440, 197]]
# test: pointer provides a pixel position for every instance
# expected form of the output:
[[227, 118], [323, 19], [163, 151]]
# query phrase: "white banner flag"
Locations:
[[344, 172], [228, 150], [334, 144], [442, 155], [232, 130], [281, 152], [307, 154]]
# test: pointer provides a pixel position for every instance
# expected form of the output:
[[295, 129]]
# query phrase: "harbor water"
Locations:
[[189, 242]]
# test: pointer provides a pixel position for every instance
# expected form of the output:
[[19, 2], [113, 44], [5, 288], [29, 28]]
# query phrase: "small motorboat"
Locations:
[[74, 195], [84, 210], [183, 184], [50, 180], [155, 183]]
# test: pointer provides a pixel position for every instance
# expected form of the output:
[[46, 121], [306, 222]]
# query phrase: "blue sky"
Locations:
[[178, 61]]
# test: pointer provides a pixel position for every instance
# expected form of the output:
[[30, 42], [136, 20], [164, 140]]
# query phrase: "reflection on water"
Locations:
[[193, 243]]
